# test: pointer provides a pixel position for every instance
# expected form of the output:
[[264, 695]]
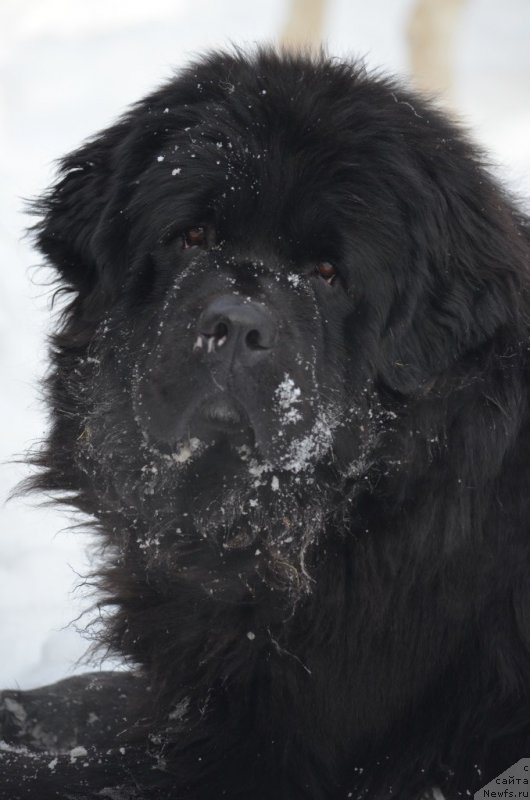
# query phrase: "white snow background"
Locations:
[[68, 68]]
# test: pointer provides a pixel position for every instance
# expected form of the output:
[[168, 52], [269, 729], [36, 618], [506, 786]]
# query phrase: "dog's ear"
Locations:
[[466, 256], [77, 214]]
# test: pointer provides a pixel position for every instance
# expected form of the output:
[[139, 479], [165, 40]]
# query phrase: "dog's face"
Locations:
[[269, 263], [243, 336]]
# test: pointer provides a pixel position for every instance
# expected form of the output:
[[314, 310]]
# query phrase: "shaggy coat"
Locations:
[[291, 392]]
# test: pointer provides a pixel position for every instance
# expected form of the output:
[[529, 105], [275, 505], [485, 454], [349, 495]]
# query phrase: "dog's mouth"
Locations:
[[223, 413], [283, 429], [221, 418]]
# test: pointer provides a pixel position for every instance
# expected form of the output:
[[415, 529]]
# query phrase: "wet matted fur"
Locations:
[[291, 391]]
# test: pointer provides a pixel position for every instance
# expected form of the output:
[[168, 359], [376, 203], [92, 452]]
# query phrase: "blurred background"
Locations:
[[68, 68]]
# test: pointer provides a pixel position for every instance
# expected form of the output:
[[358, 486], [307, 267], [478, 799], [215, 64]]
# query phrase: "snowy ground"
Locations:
[[68, 67]]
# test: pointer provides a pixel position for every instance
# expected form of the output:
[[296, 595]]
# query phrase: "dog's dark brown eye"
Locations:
[[194, 237], [327, 271]]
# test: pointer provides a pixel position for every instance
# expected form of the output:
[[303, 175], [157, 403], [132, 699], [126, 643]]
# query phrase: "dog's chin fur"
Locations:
[[331, 601]]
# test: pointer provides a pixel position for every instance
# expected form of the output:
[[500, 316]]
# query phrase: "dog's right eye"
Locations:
[[194, 237]]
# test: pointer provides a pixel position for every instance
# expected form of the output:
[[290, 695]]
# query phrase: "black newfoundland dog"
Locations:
[[291, 390]]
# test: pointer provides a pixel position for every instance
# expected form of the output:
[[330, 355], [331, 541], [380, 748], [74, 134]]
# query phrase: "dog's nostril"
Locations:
[[221, 331], [253, 340]]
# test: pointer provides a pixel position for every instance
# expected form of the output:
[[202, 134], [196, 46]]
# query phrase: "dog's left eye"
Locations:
[[194, 237], [327, 271]]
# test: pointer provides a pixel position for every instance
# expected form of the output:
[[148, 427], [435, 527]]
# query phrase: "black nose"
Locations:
[[233, 327]]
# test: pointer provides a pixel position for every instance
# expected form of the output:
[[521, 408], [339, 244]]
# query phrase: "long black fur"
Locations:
[[334, 603]]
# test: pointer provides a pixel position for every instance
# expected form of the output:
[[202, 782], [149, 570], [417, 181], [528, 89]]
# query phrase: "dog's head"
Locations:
[[273, 260]]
